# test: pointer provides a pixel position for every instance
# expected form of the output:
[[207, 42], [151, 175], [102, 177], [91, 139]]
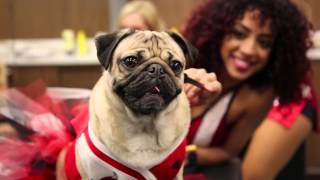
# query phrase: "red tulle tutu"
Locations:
[[38, 123]]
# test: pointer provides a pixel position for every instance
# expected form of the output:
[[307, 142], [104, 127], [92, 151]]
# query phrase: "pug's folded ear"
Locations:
[[189, 50], [107, 43]]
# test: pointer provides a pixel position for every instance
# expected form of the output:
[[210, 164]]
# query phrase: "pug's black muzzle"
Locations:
[[148, 91]]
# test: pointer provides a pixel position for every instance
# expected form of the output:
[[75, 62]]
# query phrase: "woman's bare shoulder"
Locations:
[[255, 101], [250, 103], [256, 96]]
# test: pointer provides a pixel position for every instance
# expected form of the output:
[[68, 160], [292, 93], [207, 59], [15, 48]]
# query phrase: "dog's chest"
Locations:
[[99, 163]]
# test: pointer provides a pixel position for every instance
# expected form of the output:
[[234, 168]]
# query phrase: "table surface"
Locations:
[[44, 52]]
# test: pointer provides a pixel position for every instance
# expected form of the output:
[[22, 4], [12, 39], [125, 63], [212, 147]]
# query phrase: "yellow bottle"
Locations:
[[81, 43], [68, 41]]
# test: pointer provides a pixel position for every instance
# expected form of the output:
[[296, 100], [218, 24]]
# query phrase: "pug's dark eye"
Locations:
[[176, 66], [130, 61]]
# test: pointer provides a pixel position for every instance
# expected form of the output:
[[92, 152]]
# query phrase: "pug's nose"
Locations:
[[155, 70]]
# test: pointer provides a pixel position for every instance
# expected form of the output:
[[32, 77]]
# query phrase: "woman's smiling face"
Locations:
[[246, 50]]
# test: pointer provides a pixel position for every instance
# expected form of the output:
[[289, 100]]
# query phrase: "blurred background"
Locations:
[[35, 44]]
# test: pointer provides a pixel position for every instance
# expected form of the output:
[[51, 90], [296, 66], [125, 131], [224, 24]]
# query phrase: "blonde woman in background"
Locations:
[[141, 15]]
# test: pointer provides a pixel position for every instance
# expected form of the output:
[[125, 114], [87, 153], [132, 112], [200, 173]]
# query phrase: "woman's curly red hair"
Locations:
[[288, 66]]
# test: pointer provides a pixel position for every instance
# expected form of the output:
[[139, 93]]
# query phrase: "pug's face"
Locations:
[[146, 66]]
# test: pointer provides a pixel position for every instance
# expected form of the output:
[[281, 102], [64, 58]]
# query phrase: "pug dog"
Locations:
[[138, 112]]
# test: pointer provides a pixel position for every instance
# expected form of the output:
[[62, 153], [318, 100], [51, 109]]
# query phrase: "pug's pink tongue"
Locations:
[[155, 90]]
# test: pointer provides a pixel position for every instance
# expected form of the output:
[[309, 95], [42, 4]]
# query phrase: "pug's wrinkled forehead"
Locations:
[[149, 45], [163, 47]]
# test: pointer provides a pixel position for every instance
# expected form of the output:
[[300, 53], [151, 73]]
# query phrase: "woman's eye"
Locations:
[[176, 66], [238, 34], [265, 43], [130, 61]]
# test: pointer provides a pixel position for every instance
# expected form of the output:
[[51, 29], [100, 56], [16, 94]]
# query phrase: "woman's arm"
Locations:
[[271, 148]]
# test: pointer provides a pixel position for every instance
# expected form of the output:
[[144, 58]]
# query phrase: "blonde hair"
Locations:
[[147, 10]]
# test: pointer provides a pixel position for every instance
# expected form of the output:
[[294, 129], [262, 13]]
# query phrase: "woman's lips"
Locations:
[[241, 64]]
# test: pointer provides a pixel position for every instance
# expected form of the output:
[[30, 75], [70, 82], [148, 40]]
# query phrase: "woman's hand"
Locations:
[[209, 88]]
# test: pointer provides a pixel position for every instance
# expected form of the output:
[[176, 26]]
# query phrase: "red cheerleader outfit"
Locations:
[[286, 114], [101, 164], [211, 129]]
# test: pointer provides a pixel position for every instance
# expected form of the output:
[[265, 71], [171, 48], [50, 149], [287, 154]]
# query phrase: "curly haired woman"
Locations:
[[257, 50]]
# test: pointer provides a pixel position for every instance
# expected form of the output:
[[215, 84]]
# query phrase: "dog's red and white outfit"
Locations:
[[101, 164]]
